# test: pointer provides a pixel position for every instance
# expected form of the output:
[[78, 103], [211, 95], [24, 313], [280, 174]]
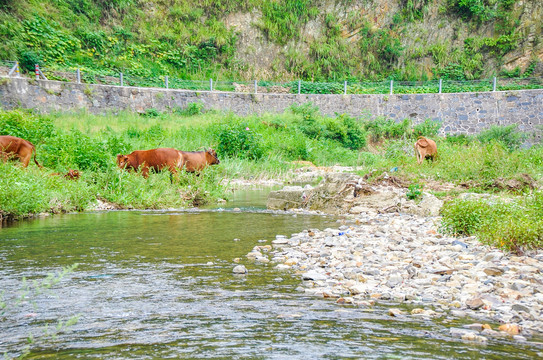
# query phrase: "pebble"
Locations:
[[240, 269], [402, 258]]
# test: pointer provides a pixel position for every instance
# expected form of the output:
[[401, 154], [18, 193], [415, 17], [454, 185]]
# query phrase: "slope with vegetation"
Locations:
[[278, 39]]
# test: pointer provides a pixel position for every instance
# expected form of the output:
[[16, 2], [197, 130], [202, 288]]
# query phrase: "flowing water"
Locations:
[[159, 284]]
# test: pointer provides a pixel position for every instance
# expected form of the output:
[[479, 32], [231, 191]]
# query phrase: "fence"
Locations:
[[292, 87]]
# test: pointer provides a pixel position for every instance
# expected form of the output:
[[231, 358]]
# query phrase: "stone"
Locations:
[[313, 275], [240, 269], [475, 303], [511, 329], [493, 271], [395, 312]]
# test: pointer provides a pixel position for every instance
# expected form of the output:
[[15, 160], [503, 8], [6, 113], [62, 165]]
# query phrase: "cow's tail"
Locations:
[[36, 161]]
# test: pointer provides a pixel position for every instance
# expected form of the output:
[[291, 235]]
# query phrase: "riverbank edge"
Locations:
[[518, 307]]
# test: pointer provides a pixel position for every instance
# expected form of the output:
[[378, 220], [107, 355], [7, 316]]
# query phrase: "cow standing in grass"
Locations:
[[425, 148], [17, 148], [194, 161], [156, 159]]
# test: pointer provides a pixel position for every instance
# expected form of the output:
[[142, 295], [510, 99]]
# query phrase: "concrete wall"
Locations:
[[466, 113]]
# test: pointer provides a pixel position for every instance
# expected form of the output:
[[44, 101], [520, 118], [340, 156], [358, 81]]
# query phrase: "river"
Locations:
[[159, 284]]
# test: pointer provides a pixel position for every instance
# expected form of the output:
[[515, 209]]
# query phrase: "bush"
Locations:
[[26, 125], [464, 217], [513, 226], [506, 135], [194, 108], [382, 128], [346, 131], [414, 191], [427, 128], [75, 150], [459, 139], [238, 140]]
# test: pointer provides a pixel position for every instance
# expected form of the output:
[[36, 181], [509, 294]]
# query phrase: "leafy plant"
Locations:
[[414, 191], [239, 140], [426, 128]]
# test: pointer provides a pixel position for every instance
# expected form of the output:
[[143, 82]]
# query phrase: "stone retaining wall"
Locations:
[[466, 113]]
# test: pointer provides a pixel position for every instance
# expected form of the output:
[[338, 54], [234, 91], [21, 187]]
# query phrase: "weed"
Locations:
[[414, 191]]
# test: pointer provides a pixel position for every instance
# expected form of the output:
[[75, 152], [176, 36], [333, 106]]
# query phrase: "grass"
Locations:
[[266, 147]]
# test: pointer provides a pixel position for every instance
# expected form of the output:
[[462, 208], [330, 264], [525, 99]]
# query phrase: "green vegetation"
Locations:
[[186, 40], [513, 226], [265, 147]]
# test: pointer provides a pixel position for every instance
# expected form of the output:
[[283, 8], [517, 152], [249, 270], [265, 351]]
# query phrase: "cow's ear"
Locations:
[[119, 156]]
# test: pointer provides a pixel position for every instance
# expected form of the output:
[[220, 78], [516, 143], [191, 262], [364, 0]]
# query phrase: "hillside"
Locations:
[[278, 40]]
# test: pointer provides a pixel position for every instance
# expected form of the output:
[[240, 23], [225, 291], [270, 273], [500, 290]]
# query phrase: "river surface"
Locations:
[[159, 284]]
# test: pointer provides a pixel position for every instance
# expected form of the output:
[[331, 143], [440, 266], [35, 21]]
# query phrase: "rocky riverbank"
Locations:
[[400, 258]]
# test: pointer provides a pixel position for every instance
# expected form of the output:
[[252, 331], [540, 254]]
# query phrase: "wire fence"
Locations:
[[11, 68]]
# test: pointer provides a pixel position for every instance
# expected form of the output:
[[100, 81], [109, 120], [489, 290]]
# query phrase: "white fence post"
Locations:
[[256, 87], [299, 87], [494, 84], [37, 71], [166, 81], [440, 85], [121, 78], [42, 74], [210, 84], [15, 69], [345, 87], [78, 76], [391, 87]]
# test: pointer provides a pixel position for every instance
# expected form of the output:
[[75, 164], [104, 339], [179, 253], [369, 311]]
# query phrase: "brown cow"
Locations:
[[156, 159], [197, 160], [71, 174], [425, 148], [14, 147]]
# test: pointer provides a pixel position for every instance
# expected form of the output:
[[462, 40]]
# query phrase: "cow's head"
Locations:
[[122, 161], [211, 157]]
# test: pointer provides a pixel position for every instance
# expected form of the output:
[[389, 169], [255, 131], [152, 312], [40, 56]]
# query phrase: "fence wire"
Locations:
[[110, 77]]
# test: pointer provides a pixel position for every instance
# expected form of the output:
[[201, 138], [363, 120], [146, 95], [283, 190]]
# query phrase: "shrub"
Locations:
[[464, 217], [512, 226], [26, 125], [506, 135], [238, 140], [194, 108], [151, 113], [75, 150], [414, 191], [382, 128], [459, 139], [348, 132], [427, 128]]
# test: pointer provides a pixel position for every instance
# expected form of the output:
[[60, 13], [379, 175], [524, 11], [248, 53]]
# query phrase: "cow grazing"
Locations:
[[17, 148], [194, 161], [425, 148], [156, 159], [70, 175]]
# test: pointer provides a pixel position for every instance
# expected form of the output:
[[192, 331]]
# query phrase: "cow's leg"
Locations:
[[145, 171], [25, 158], [418, 155]]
